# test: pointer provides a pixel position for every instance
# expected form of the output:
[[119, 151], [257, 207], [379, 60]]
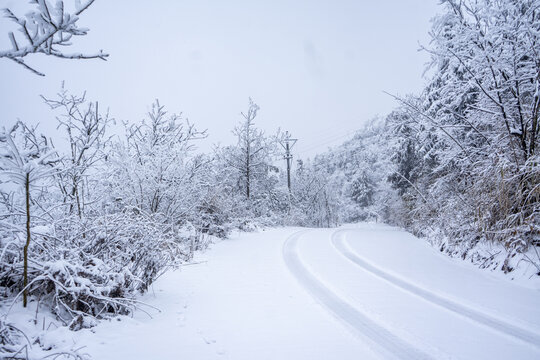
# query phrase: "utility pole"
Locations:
[[287, 143]]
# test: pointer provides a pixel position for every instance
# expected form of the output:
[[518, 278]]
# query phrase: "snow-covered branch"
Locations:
[[45, 30]]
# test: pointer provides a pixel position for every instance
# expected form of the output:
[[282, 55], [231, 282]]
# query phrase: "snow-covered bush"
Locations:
[[313, 201], [26, 163], [93, 247], [96, 267]]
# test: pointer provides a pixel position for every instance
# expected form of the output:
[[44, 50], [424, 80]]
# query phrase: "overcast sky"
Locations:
[[316, 68]]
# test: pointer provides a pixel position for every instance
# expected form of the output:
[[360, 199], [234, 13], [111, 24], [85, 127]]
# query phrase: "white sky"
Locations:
[[316, 68]]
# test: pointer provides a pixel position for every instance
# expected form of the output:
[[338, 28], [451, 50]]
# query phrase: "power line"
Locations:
[[315, 146], [328, 135]]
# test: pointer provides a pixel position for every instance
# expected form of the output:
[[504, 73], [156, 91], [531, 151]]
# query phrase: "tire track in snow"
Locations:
[[500, 325], [385, 341]]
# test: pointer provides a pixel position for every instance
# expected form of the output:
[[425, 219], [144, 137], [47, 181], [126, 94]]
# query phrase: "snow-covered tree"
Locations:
[[251, 155], [462, 155], [85, 129], [154, 170], [26, 161], [314, 202], [483, 105]]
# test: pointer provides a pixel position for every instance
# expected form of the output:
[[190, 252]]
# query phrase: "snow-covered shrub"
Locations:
[[97, 267], [27, 162], [313, 200], [94, 245]]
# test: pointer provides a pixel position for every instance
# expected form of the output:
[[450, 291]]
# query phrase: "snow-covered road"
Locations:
[[360, 292]]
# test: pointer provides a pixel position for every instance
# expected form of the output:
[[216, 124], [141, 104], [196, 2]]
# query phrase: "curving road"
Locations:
[[426, 307], [379, 337], [504, 326]]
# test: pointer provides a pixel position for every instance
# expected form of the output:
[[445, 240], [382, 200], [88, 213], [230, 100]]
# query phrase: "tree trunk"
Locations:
[[247, 172], [25, 269]]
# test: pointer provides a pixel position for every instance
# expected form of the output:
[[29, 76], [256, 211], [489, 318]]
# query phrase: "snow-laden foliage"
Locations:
[[459, 162], [161, 176], [75, 235], [248, 176], [476, 125], [82, 232], [26, 161], [312, 201]]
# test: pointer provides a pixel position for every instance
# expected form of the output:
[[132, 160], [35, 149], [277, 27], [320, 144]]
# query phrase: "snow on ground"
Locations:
[[241, 302], [434, 304], [359, 292]]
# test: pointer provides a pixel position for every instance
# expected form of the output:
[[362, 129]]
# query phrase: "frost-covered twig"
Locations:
[[44, 30]]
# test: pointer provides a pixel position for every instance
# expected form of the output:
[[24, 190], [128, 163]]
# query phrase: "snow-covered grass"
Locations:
[[36, 333], [493, 257]]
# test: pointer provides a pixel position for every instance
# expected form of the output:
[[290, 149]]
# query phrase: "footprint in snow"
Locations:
[[209, 341]]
